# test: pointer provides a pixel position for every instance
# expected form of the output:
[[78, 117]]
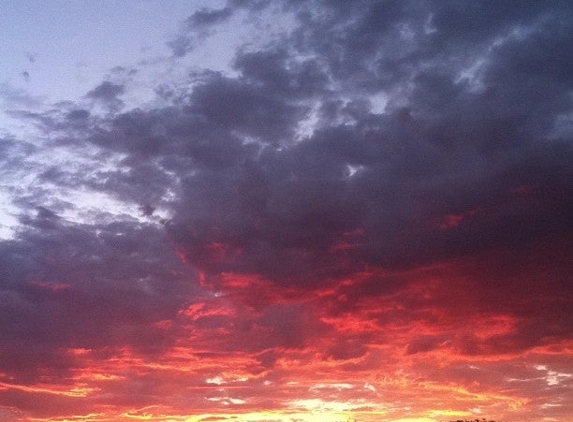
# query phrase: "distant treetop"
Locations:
[[475, 420]]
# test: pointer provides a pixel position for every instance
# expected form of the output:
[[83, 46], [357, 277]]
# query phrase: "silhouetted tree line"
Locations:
[[475, 420]]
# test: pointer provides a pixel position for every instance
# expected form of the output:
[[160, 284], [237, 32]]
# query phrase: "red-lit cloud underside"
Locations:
[[423, 344]]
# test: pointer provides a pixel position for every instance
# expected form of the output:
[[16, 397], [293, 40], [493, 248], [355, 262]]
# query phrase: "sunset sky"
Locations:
[[286, 210]]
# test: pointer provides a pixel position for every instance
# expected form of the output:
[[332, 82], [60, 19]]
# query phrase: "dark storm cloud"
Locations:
[[273, 70], [469, 155], [462, 159], [65, 287], [236, 105]]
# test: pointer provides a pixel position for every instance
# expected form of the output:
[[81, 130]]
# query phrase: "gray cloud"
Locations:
[[290, 173]]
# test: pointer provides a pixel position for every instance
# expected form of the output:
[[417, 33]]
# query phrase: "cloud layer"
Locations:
[[368, 213]]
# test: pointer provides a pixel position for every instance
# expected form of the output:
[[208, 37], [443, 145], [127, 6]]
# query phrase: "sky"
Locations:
[[286, 211]]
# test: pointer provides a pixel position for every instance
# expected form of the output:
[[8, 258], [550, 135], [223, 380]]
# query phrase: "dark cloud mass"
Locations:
[[375, 204]]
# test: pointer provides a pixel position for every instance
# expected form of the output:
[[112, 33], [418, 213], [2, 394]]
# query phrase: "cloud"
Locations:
[[198, 27], [107, 93], [15, 97], [380, 196]]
